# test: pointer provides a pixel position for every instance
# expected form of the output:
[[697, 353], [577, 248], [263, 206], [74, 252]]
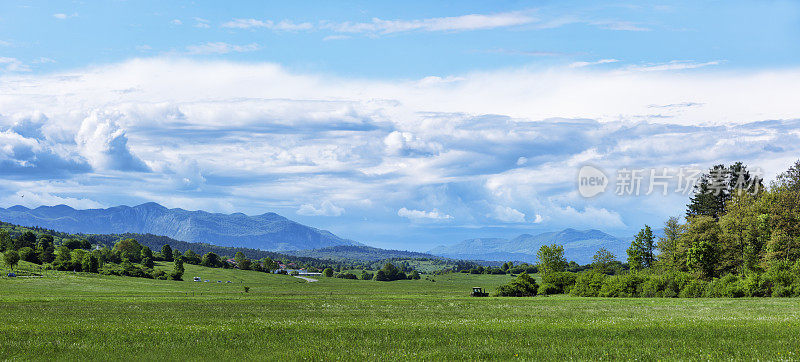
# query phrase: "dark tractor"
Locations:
[[478, 292]]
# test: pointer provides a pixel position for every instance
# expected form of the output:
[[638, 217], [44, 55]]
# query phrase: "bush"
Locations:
[[728, 286], [621, 286], [328, 272], [588, 284], [756, 285], [563, 281], [653, 287], [522, 286], [694, 288], [549, 289], [366, 276], [346, 276]]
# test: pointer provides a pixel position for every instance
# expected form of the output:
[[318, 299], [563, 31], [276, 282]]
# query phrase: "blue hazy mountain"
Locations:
[[579, 246], [268, 231]]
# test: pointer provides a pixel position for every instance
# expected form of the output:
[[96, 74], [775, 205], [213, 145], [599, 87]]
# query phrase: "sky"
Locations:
[[402, 125]]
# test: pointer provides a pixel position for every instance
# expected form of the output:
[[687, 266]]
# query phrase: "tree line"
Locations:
[[740, 238]]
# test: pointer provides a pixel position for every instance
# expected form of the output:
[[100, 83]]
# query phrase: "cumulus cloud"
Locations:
[[25, 154], [507, 214], [418, 215], [221, 48], [104, 144], [256, 135], [326, 208]]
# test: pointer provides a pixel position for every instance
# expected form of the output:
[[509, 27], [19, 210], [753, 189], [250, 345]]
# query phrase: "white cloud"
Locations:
[[620, 25], [283, 25], [36, 199], [63, 16], [221, 48], [258, 136], [13, 65], [418, 215], [673, 65], [176, 22], [507, 214], [104, 144], [327, 208], [585, 64], [453, 23], [201, 23]]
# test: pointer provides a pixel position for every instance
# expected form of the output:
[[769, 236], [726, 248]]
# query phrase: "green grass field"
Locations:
[[85, 316]]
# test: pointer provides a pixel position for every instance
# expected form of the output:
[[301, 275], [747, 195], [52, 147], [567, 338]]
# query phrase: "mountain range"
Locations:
[[268, 231], [579, 246]]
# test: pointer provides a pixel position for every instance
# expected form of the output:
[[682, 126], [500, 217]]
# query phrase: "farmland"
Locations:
[[79, 316]]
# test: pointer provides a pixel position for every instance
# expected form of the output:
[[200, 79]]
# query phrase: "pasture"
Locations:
[[87, 316]]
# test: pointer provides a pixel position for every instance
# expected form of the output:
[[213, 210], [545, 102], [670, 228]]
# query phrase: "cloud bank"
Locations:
[[497, 149]]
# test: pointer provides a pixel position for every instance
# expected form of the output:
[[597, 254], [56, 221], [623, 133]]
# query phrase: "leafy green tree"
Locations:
[[130, 249], [29, 255], [6, 243], [366, 275], [551, 259], [45, 241], [47, 255], [191, 257], [745, 233], [701, 240], [640, 254], [148, 263], [176, 254], [211, 260], [270, 265], [414, 275], [166, 252], [26, 240], [603, 261], [146, 253], [90, 263], [328, 272], [11, 258], [522, 286], [669, 245], [177, 270]]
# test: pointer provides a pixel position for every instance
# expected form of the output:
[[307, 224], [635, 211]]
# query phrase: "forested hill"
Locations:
[[155, 242], [365, 253], [267, 231]]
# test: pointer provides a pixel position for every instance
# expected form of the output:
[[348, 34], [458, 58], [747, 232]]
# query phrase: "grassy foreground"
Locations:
[[84, 316]]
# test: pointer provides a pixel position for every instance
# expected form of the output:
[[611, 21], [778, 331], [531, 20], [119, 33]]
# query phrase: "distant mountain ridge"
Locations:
[[268, 231], [579, 245]]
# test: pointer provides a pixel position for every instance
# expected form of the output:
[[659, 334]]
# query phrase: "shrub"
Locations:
[[588, 284], [728, 286], [549, 289], [346, 276], [563, 281], [694, 288], [653, 287], [328, 272], [621, 286], [522, 286], [756, 285]]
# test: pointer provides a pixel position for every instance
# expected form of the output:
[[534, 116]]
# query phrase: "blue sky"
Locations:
[[401, 125]]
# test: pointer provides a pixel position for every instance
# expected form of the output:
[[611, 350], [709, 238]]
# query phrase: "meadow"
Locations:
[[68, 315]]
